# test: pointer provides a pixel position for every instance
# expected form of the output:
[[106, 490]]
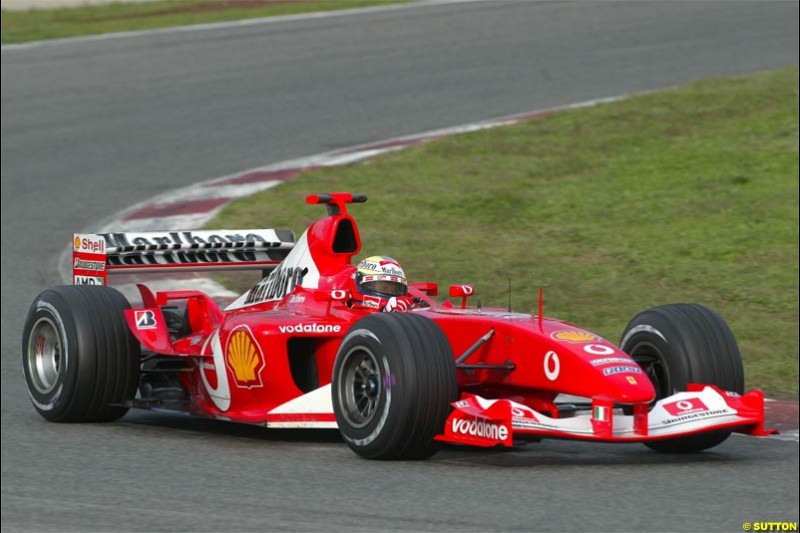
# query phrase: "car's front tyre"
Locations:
[[393, 381], [680, 344]]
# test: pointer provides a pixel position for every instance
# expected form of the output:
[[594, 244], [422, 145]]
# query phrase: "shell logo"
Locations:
[[574, 336], [244, 358], [77, 243]]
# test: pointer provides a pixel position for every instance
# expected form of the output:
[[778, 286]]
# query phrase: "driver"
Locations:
[[380, 285]]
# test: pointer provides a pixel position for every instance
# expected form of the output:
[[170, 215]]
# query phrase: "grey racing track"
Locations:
[[89, 128]]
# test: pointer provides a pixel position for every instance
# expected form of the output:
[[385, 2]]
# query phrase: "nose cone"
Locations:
[[630, 387], [602, 370]]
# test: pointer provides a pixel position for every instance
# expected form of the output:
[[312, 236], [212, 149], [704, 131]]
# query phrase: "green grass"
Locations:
[[38, 24], [684, 195]]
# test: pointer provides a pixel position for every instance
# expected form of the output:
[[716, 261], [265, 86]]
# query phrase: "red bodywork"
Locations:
[[268, 358]]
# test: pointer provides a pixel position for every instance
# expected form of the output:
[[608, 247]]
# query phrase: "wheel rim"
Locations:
[[652, 362], [360, 388], [44, 356]]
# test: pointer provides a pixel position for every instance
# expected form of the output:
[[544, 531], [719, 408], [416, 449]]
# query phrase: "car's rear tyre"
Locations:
[[680, 344], [393, 382], [79, 358]]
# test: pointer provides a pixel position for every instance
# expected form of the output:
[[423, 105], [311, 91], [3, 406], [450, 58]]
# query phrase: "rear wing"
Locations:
[[97, 255]]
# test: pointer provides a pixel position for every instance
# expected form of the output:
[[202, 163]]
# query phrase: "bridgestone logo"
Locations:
[[83, 264], [694, 416], [311, 328], [609, 360], [480, 429]]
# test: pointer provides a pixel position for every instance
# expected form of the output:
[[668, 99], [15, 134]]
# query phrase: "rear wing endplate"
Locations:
[[97, 255]]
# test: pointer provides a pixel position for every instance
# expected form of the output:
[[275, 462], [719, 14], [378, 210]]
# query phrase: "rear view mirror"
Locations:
[[463, 292]]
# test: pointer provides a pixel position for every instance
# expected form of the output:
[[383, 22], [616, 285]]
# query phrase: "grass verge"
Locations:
[[39, 24], [684, 195]]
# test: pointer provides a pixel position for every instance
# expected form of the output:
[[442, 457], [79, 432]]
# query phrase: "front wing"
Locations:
[[477, 421]]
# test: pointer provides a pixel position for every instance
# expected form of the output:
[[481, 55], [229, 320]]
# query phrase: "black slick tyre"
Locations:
[[79, 358], [393, 381], [680, 344]]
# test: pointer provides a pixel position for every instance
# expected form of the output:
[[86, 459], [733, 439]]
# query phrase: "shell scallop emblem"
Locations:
[[244, 358], [574, 336]]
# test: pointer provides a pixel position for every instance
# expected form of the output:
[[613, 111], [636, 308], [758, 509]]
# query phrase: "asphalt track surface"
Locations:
[[90, 128]]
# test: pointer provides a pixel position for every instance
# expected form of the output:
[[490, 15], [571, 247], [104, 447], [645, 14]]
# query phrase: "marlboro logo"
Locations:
[[187, 247]]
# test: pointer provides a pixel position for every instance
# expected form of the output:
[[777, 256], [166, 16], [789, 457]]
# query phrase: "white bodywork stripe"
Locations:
[[316, 402], [299, 257], [221, 396]]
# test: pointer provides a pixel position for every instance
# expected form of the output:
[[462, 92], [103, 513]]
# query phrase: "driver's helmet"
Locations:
[[377, 280]]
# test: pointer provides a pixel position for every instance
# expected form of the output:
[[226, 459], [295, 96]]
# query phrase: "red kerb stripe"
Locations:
[[781, 415], [177, 208], [263, 175]]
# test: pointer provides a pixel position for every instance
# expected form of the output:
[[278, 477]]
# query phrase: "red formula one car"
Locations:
[[312, 345]]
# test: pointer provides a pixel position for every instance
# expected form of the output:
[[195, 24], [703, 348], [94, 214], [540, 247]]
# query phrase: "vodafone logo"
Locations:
[[480, 429], [311, 328], [682, 407], [461, 291], [598, 349], [552, 365]]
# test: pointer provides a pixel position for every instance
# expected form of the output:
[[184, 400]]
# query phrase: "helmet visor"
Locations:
[[383, 286]]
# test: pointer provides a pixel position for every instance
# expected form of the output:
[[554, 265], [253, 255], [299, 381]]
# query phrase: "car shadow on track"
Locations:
[[566, 453], [206, 426], [532, 455]]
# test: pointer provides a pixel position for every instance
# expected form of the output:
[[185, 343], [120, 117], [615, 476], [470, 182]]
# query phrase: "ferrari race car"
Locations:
[[305, 348]]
